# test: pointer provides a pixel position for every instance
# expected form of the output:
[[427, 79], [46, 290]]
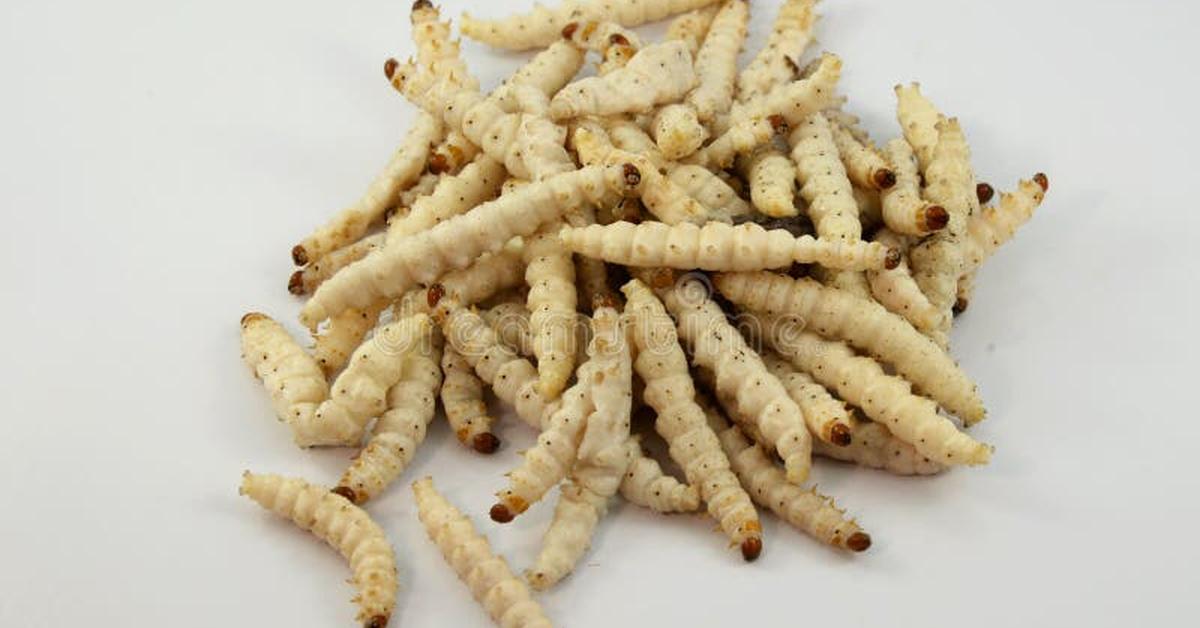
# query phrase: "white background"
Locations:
[[159, 159]]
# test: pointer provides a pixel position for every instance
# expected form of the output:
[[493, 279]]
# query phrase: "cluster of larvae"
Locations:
[[723, 254]]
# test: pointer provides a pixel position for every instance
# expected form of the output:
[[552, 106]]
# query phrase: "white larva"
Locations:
[[721, 200], [716, 62], [904, 209], [646, 485], [360, 392], [345, 527], [411, 403], [885, 398], [542, 26], [505, 598], [995, 225], [896, 290], [772, 178], [457, 242], [661, 196], [550, 459], [937, 261], [740, 374], [512, 378], [677, 131], [489, 274], [292, 378], [454, 195], [550, 275], [462, 398], [402, 171], [510, 321], [873, 446], [805, 509], [307, 279], [864, 324], [826, 416], [864, 165], [692, 27], [663, 367], [775, 63], [918, 119], [657, 74], [437, 53], [603, 457], [333, 345], [719, 246], [823, 181]]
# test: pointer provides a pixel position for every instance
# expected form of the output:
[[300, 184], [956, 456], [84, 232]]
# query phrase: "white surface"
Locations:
[[160, 158]]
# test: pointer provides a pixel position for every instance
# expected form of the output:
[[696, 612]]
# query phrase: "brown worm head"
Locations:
[[569, 30], [1040, 179], [299, 255], [631, 174], [389, 67], [751, 548], [936, 218], [883, 178], [617, 39], [500, 514], [840, 432], [778, 124], [296, 283], [250, 317], [422, 4], [960, 306], [347, 492], [858, 542], [438, 163], [891, 261], [984, 192], [485, 443], [380, 621], [435, 294]]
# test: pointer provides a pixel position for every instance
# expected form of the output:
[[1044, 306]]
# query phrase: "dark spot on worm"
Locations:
[[438, 163], [348, 493], [791, 65], [891, 261], [500, 514], [840, 432], [296, 283], [617, 39], [435, 294], [751, 548], [960, 306], [381, 621], [859, 542], [778, 123], [936, 217], [883, 178], [984, 192], [485, 443], [422, 4], [1040, 179], [569, 30], [248, 317], [389, 68], [299, 255], [631, 174]]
